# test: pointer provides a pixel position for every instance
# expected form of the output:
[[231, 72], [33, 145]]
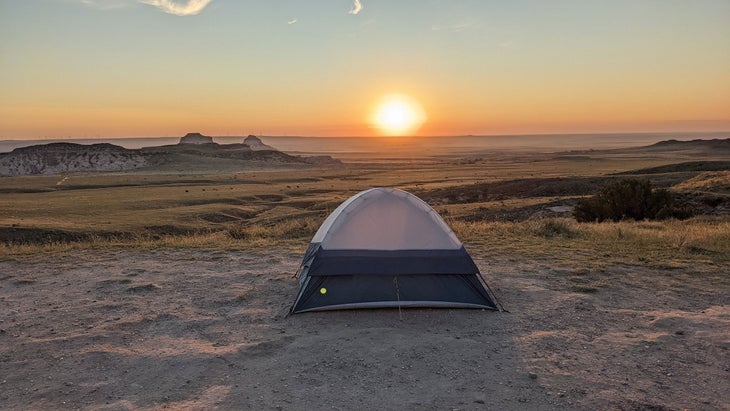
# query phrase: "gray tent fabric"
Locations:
[[385, 247]]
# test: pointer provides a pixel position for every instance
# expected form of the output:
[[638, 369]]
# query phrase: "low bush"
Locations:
[[630, 199]]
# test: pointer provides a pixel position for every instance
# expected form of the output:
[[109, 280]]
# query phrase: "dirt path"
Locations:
[[188, 329]]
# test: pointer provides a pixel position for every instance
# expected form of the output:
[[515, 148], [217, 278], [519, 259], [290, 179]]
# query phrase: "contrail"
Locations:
[[189, 8], [356, 7]]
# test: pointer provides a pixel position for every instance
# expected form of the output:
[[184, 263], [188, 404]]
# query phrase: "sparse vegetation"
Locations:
[[261, 208], [672, 242], [683, 167], [693, 242]]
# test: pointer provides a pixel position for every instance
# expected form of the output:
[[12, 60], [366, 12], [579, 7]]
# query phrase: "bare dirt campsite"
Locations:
[[169, 289]]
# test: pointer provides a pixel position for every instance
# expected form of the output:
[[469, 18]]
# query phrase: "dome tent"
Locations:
[[387, 248]]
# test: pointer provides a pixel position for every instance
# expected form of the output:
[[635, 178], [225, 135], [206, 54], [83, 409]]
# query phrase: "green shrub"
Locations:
[[629, 199]]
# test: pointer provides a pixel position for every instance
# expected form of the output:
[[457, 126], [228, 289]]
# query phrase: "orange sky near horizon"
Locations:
[[502, 117], [84, 69]]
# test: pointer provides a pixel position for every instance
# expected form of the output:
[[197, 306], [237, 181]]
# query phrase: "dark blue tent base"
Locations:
[[368, 291]]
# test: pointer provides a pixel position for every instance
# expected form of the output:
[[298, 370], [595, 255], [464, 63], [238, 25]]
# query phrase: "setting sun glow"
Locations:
[[398, 115], [332, 68]]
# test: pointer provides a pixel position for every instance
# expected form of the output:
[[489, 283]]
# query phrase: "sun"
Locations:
[[398, 115]]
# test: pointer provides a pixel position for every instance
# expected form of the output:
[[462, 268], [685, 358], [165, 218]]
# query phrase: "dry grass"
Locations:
[[696, 243], [293, 234], [717, 181], [666, 244], [263, 208], [288, 229]]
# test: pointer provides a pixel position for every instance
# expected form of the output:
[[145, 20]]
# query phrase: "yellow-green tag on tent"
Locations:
[[323, 290]]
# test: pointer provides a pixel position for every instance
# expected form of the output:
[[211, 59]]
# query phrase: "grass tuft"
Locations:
[[289, 229], [554, 227], [246, 294]]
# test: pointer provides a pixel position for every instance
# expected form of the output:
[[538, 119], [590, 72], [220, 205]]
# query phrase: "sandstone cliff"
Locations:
[[58, 158]]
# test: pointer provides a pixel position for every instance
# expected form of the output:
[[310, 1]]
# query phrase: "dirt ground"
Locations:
[[195, 329]]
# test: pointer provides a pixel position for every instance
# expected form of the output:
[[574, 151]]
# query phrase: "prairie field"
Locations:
[[151, 290]]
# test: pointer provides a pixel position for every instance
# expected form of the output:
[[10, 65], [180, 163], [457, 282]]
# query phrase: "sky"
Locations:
[[144, 68]]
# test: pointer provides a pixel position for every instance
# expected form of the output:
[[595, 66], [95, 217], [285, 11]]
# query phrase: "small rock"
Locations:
[[532, 376]]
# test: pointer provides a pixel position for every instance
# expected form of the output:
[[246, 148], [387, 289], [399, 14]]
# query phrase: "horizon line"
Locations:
[[386, 137]]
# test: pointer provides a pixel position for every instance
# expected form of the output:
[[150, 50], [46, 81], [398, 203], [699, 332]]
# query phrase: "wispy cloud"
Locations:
[[104, 4], [292, 21], [455, 27], [356, 7], [187, 8]]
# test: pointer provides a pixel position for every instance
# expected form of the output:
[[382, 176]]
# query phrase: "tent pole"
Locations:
[[499, 304]]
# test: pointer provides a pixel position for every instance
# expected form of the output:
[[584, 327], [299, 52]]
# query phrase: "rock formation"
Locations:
[[196, 138], [194, 152], [58, 158], [256, 144]]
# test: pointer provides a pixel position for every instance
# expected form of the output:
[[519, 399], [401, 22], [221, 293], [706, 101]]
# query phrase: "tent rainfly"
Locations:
[[387, 248]]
